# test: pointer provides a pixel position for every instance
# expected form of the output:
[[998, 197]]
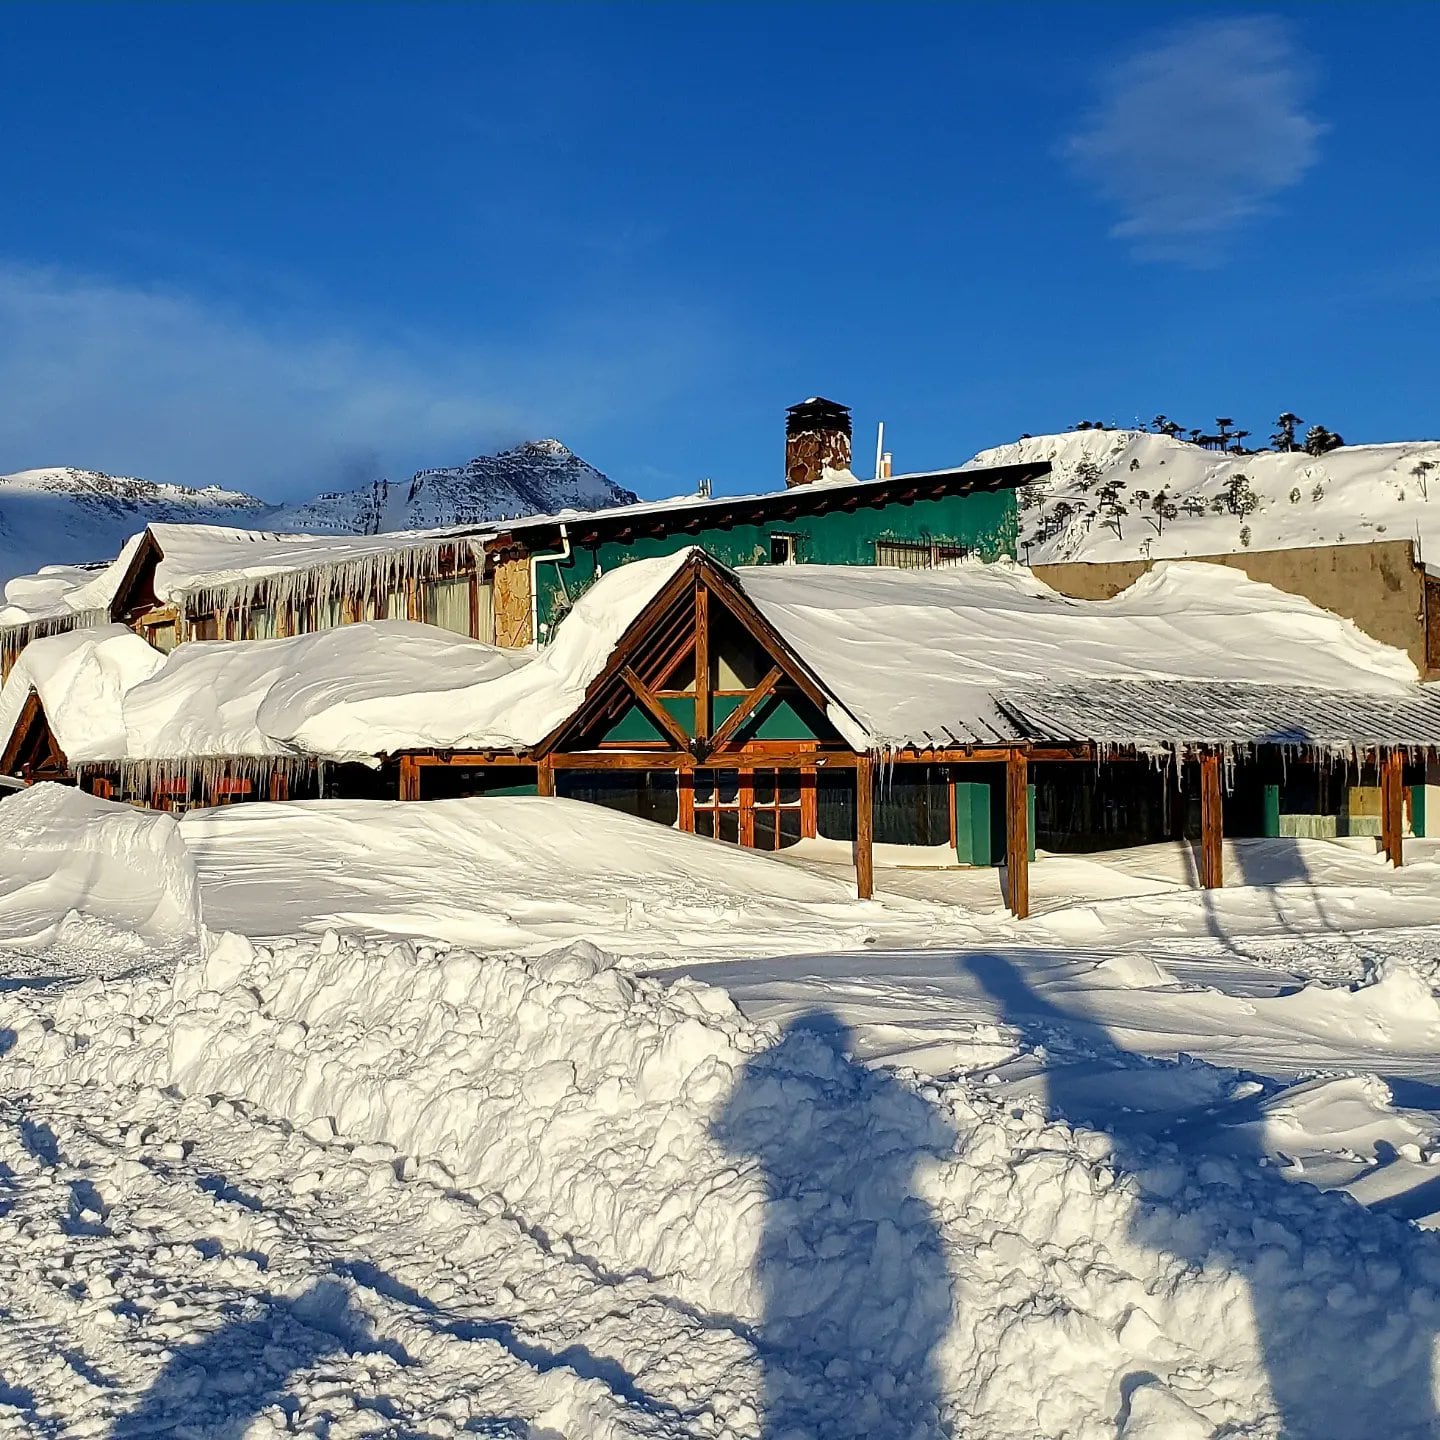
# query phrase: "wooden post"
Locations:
[[1212, 822], [865, 828], [685, 784], [279, 787], [1017, 834], [544, 777], [809, 804], [1392, 806], [409, 778], [746, 799]]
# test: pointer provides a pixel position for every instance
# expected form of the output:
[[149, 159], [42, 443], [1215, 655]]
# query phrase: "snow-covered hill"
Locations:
[[1124, 494], [533, 478], [64, 516]]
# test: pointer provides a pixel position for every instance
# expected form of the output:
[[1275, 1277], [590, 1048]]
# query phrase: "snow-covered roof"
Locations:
[[81, 678], [62, 596], [348, 694], [971, 655], [925, 657], [832, 481], [1130, 712], [210, 561]]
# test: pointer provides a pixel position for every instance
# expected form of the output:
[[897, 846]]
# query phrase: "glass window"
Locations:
[[163, 637], [260, 623], [446, 604], [327, 612], [782, 549], [919, 554]]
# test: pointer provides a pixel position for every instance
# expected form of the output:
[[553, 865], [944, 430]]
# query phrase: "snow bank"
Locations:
[[877, 1256], [514, 872], [66, 857]]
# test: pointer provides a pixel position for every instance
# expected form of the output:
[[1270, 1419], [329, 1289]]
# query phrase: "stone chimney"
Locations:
[[817, 438]]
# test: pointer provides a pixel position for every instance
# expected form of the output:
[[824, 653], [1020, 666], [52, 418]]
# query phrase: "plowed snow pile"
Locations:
[[742, 1223]]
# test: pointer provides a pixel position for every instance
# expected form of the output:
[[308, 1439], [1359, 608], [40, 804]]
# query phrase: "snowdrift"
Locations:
[[70, 862], [857, 1253]]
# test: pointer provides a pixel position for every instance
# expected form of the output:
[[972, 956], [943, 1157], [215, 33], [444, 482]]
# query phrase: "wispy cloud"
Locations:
[[1196, 134], [171, 386]]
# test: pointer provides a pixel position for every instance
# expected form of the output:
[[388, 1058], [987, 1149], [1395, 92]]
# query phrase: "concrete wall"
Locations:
[[1377, 585]]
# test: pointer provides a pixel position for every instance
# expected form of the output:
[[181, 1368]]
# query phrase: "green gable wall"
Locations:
[[987, 521]]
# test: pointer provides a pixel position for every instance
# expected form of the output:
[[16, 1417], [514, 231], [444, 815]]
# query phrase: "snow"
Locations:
[[77, 866], [212, 564], [1353, 494], [395, 1187], [81, 678], [919, 655], [911, 657], [331, 1179]]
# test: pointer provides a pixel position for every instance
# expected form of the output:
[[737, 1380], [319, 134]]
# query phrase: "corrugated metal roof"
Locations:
[[1150, 714]]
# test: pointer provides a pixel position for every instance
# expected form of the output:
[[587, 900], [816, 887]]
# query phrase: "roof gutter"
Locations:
[[555, 557]]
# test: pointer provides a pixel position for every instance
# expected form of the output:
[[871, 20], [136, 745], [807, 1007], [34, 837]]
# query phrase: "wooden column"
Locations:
[[279, 787], [409, 778], [1212, 822], [809, 804], [685, 783], [1392, 806], [865, 828], [544, 777], [1017, 834]]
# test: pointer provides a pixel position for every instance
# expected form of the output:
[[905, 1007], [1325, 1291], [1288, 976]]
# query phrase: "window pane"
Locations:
[[764, 787], [728, 783], [260, 623], [789, 791], [765, 830], [446, 604], [704, 787], [162, 637], [705, 822], [729, 826], [789, 828]]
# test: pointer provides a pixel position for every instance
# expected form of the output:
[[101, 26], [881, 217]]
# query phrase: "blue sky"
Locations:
[[284, 248]]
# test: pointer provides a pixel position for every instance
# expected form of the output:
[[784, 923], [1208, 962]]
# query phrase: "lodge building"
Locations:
[[853, 661]]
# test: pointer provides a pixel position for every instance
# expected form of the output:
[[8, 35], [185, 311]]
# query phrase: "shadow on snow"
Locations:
[[1341, 1363], [856, 1297]]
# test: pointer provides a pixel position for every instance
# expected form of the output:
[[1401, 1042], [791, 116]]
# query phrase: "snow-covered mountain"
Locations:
[[1123, 494], [533, 478], [65, 516]]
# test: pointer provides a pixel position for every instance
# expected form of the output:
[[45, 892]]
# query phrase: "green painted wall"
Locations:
[[777, 719], [987, 521]]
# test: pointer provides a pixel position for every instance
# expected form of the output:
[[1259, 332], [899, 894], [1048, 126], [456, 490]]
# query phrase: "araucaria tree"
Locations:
[[1285, 427], [1319, 440], [1239, 496]]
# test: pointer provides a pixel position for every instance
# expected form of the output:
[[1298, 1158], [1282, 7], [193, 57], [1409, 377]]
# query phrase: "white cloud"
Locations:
[[1195, 135], [166, 385]]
